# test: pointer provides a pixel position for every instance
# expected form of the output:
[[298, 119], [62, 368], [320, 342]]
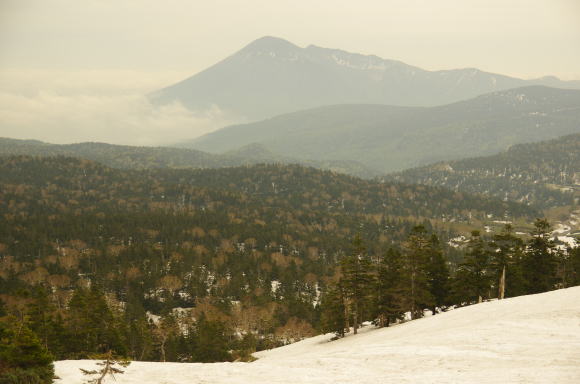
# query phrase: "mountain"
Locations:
[[271, 76], [527, 339], [130, 157], [391, 138], [545, 174]]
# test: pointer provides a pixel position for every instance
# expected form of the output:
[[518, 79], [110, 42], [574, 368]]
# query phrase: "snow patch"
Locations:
[[528, 339]]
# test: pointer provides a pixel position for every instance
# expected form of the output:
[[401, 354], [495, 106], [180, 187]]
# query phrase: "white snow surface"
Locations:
[[527, 339]]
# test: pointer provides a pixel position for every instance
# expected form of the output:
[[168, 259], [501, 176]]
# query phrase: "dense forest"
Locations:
[[544, 174], [213, 264]]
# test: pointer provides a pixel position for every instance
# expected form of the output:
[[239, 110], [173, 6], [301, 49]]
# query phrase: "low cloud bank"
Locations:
[[97, 106]]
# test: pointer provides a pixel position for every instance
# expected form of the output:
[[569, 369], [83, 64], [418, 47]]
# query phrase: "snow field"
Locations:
[[528, 339]]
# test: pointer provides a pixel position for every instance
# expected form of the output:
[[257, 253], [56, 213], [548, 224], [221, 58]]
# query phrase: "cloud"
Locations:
[[61, 107]]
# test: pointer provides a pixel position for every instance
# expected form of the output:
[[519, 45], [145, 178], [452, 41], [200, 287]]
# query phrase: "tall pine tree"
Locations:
[[472, 280], [438, 275], [389, 291], [417, 251], [356, 280], [506, 262], [540, 259], [333, 318], [23, 359]]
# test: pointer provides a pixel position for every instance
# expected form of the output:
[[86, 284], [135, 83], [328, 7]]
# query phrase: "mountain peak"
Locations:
[[269, 43], [272, 76]]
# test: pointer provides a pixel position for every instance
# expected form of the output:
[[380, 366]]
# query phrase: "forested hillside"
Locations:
[[544, 174], [132, 157], [128, 260]]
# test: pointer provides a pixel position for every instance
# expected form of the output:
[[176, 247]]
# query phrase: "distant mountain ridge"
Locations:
[[391, 138], [131, 157], [271, 76], [545, 174]]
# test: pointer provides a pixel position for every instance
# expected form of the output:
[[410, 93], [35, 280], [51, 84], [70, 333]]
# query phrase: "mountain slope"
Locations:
[[298, 189], [389, 138], [545, 174], [527, 339], [271, 76], [130, 157]]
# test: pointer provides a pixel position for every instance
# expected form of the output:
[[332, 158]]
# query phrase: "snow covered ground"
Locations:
[[528, 339]]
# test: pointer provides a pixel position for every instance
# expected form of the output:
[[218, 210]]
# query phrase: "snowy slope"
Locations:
[[529, 339]]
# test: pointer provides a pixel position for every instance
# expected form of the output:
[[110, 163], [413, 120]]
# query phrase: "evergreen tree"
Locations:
[[138, 331], [389, 290], [110, 366], [92, 325], [417, 253], [438, 275], [45, 323], [244, 347], [333, 317], [506, 262], [23, 359], [211, 340], [472, 281], [165, 332], [540, 259], [574, 265], [356, 280]]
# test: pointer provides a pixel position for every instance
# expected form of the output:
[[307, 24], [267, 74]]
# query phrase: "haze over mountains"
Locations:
[[271, 76], [361, 140], [390, 138], [372, 116]]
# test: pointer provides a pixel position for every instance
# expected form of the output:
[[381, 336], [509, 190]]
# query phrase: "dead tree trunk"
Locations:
[[355, 317], [346, 315], [501, 293]]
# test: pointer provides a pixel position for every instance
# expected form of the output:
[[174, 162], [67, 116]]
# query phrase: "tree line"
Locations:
[[405, 282]]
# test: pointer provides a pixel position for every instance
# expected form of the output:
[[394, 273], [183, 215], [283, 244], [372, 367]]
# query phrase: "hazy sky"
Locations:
[[75, 70]]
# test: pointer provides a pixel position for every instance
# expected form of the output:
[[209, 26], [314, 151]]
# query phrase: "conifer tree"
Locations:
[[333, 317], [505, 262], [417, 250], [165, 331], [438, 275], [212, 341], [92, 324], [472, 281], [45, 323], [356, 280], [389, 291], [110, 366], [138, 331], [574, 262], [23, 359], [540, 259]]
